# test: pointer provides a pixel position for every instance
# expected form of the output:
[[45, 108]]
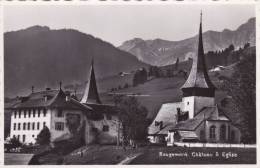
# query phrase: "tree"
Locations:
[[242, 88], [44, 136], [15, 142], [133, 118], [140, 77], [246, 45]]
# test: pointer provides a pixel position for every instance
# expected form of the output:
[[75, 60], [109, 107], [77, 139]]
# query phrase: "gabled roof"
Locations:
[[206, 114], [55, 99], [198, 76], [167, 114], [91, 93]]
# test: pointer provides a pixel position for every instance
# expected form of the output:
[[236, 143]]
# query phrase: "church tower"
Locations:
[[198, 90], [91, 93]]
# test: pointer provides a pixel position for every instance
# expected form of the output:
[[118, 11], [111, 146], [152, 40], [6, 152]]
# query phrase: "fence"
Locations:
[[212, 145]]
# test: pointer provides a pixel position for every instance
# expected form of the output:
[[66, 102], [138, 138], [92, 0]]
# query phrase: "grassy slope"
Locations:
[[159, 91]]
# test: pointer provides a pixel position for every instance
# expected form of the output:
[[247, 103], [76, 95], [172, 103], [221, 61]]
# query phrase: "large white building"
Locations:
[[196, 117], [64, 115]]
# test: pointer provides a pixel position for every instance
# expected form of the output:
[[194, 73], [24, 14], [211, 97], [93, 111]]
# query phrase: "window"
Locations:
[[20, 114], [59, 113], [44, 112], [14, 126], [212, 132], [29, 113], [15, 113], [33, 112], [222, 133], [28, 126], [38, 125], [109, 117], [33, 126], [59, 126], [19, 126], [18, 137], [39, 113], [24, 126], [188, 103], [33, 136], [23, 138], [44, 124], [105, 128], [24, 113]]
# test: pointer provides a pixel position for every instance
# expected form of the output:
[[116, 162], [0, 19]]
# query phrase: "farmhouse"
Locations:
[[64, 115], [196, 118]]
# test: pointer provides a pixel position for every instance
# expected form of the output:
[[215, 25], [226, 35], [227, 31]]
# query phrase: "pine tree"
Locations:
[[242, 88]]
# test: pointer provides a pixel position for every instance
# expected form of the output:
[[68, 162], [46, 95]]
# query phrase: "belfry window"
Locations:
[[212, 132]]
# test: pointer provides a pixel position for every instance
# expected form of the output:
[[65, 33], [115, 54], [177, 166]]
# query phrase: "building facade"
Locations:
[[64, 115]]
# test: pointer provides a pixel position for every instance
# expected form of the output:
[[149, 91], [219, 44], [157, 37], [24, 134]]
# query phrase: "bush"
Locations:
[[44, 136]]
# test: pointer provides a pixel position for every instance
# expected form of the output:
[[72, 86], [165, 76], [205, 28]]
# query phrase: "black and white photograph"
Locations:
[[125, 84]]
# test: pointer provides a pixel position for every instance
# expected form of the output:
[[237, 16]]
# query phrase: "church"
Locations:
[[65, 115], [197, 117]]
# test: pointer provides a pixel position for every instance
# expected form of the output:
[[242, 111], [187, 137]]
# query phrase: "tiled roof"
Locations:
[[167, 114], [206, 113], [37, 99], [55, 98]]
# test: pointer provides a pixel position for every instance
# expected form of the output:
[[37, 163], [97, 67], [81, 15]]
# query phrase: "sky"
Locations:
[[118, 23]]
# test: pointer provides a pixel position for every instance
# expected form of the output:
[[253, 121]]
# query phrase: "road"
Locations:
[[17, 158]]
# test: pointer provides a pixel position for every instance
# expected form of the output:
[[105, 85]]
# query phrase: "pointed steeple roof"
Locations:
[[198, 77], [91, 92]]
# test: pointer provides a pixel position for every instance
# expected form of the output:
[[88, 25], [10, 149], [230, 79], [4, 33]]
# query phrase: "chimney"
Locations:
[[45, 98]]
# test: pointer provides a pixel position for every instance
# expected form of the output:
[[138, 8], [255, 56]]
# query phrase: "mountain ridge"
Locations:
[[161, 52], [42, 57]]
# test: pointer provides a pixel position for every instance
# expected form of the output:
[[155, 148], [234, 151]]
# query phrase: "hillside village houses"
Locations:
[[63, 114], [196, 118]]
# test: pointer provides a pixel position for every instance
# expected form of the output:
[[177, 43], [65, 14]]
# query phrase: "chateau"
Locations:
[[64, 115], [196, 118]]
